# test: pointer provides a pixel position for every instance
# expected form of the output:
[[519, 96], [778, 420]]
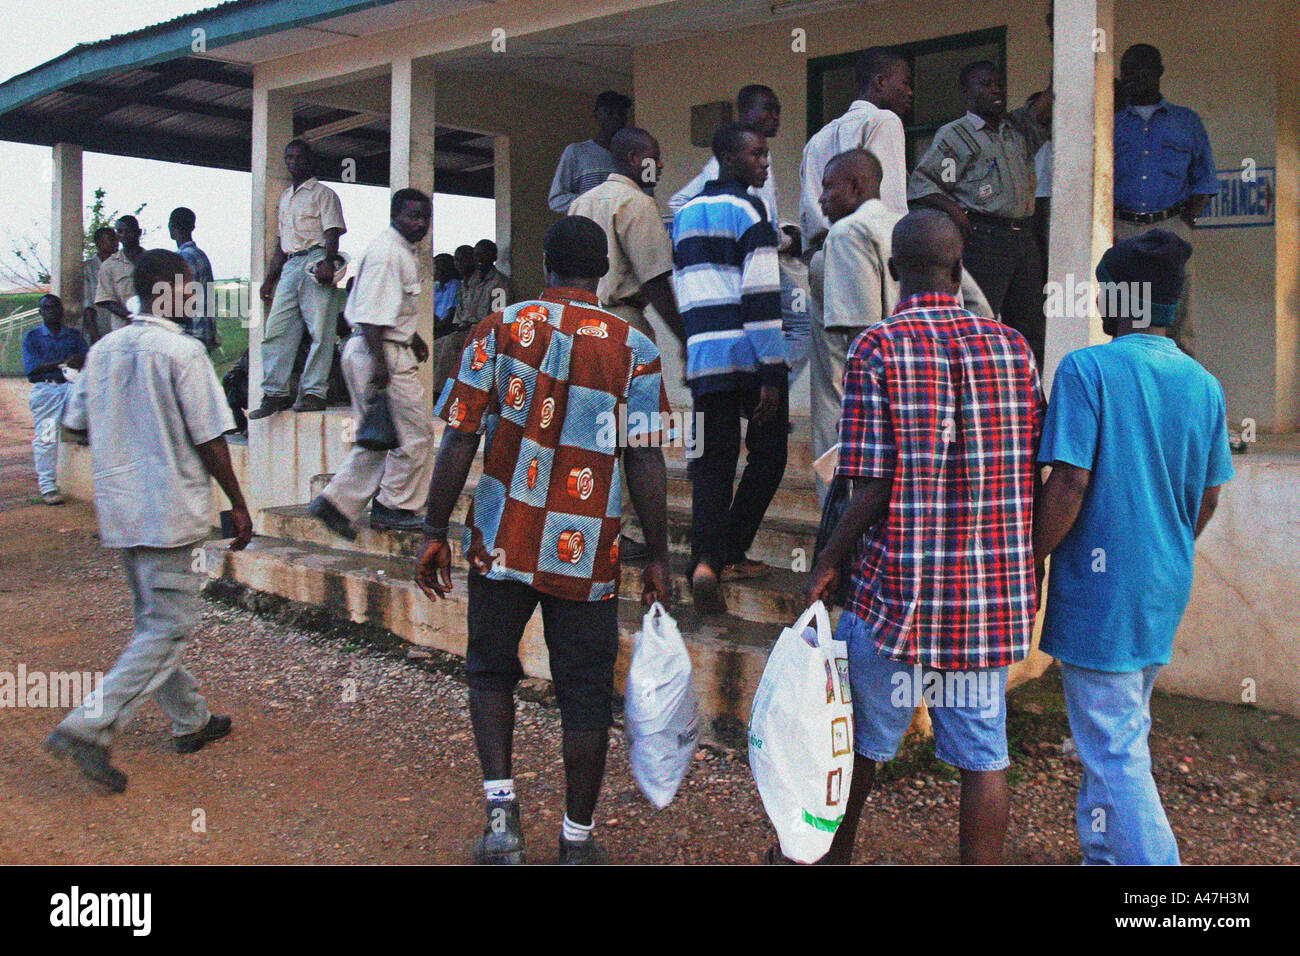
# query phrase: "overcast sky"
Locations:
[[38, 30]]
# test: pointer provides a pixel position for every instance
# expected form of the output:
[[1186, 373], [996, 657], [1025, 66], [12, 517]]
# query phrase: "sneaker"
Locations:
[[216, 728], [91, 759], [582, 852], [270, 405], [502, 842], [395, 519], [309, 403], [52, 498], [323, 510]]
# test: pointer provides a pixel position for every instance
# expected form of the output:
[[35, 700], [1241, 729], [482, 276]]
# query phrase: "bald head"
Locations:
[[849, 179], [636, 155], [926, 253]]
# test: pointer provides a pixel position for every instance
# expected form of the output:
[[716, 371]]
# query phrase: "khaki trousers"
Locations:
[[164, 597], [401, 476], [828, 355], [1182, 332]]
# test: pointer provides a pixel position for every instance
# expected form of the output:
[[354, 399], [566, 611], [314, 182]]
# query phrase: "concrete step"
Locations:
[[773, 599], [727, 654]]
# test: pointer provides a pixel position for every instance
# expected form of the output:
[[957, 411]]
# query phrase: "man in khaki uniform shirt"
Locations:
[[851, 281], [980, 171], [299, 289], [149, 395], [115, 285], [640, 252], [384, 352]]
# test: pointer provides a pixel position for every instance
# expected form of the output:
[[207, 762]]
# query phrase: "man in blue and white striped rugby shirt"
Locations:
[[728, 286]]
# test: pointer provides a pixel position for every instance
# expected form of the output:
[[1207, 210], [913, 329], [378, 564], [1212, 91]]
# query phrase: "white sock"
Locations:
[[576, 832], [498, 790]]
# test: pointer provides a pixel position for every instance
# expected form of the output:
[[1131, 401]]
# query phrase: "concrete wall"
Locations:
[[1242, 628], [538, 121], [1235, 90]]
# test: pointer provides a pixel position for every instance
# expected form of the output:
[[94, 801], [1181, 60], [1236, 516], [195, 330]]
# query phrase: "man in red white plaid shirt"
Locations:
[[940, 423]]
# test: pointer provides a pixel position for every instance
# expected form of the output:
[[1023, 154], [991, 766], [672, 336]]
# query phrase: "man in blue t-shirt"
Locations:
[[1136, 436]]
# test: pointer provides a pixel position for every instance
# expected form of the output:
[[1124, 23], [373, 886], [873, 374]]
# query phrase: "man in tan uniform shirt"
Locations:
[[640, 252], [299, 289], [384, 352]]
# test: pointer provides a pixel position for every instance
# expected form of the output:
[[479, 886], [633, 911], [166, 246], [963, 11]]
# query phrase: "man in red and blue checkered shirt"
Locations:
[[940, 422]]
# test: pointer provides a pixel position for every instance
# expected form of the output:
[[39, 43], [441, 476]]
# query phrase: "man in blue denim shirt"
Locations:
[[46, 350], [1164, 170]]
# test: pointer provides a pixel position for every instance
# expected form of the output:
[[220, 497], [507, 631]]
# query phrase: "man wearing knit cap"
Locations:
[[567, 395], [1137, 440]]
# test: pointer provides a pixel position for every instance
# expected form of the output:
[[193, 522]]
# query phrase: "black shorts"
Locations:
[[581, 640]]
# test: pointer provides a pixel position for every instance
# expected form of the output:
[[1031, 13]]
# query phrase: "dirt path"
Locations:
[[312, 776]]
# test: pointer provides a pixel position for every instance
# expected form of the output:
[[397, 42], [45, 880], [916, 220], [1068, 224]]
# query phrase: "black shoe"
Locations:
[[582, 853], [323, 510], [270, 405], [309, 403], [216, 728], [91, 759], [394, 519], [502, 842], [632, 550]]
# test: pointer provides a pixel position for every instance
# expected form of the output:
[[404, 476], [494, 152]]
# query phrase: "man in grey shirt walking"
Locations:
[[158, 414]]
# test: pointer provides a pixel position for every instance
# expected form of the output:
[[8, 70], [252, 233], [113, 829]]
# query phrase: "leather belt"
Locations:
[[1145, 218], [1000, 222]]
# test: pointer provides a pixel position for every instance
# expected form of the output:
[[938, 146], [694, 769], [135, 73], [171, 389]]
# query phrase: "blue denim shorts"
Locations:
[[967, 707]]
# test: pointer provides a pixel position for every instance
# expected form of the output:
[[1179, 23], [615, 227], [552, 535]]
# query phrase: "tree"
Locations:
[[28, 261]]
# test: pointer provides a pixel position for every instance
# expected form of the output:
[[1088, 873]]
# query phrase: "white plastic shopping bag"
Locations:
[[801, 736], [661, 709]]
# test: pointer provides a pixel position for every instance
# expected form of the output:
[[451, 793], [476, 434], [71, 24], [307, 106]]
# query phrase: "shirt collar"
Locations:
[[567, 293], [979, 122], [927, 300], [412, 246], [307, 183], [626, 180], [1163, 104], [156, 320]]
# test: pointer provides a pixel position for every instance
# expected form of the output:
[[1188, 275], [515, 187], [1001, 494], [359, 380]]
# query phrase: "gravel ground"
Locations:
[[349, 748]]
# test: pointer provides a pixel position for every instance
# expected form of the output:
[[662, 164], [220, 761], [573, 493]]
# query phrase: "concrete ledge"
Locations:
[[728, 660]]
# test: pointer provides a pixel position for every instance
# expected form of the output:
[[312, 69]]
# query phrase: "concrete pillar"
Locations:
[[411, 163], [501, 196], [272, 130], [1083, 167], [272, 442], [1286, 412], [66, 230]]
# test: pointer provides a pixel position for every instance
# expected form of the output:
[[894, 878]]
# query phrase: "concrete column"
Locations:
[[272, 442], [506, 261], [1286, 412], [1083, 168], [411, 163], [272, 130], [66, 230]]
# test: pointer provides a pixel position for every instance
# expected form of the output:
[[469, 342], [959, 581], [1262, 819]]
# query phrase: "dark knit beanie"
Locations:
[[1153, 264]]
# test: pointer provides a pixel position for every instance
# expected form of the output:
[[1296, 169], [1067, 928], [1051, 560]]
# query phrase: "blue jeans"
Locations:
[[967, 707], [1119, 814]]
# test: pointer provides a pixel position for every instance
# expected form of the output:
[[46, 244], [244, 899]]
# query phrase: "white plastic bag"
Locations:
[[661, 709], [801, 736]]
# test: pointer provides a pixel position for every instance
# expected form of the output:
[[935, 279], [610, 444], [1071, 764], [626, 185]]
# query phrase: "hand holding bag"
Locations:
[[377, 431]]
